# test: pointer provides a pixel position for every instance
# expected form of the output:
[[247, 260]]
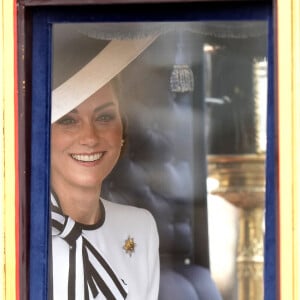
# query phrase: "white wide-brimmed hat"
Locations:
[[108, 62]]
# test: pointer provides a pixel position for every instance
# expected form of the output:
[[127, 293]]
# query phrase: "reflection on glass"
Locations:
[[236, 90], [193, 105]]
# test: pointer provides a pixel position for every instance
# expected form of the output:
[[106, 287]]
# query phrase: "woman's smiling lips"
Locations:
[[88, 158]]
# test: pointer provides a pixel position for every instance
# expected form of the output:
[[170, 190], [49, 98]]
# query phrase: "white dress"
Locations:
[[127, 238]]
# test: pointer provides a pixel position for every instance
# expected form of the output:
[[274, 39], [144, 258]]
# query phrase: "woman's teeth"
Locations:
[[87, 157]]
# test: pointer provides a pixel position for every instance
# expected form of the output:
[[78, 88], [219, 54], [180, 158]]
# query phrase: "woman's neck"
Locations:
[[81, 204]]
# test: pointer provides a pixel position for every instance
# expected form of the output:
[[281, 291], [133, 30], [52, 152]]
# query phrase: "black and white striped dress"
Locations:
[[92, 261]]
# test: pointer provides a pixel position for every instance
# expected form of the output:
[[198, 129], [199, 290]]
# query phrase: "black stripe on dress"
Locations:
[[73, 235], [88, 279], [72, 272], [108, 269]]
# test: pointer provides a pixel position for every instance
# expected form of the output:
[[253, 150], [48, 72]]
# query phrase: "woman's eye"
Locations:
[[106, 117], [66, 121]]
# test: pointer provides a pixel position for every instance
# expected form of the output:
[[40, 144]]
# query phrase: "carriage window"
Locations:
[[191, 107], [236, 102]]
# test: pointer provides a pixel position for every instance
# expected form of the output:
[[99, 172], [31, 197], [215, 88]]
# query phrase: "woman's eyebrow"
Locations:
[[103, 106], [98, 108]]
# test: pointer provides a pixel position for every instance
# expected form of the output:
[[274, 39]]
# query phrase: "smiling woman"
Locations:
[[86, 144], [94, 252]]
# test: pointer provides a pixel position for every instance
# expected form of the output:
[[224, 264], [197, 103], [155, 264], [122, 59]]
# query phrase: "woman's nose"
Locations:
[[89, 135]]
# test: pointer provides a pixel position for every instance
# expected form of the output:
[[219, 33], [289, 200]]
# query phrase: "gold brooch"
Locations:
[[129, 245]]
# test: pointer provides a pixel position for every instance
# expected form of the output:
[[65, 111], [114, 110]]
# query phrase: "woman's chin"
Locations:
[[90, 183]]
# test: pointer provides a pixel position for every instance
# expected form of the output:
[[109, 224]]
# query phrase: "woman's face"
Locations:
[[86, 142]]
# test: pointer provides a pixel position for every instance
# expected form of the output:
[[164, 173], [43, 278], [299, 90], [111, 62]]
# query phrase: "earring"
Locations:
[[122, 143]]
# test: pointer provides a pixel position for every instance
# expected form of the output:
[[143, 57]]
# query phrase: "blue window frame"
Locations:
[[42, 20]]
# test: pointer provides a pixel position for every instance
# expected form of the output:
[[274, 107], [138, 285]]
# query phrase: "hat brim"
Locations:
[[108, 63]]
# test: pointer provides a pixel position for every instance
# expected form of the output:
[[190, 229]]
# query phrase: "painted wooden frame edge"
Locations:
[[8, 152], [91, 2], [288, 91]]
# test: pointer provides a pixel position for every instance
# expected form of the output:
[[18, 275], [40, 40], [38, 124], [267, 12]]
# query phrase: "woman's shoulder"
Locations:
[[125, 211]]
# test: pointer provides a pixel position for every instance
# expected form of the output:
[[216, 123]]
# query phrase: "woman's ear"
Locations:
[[124, 121]]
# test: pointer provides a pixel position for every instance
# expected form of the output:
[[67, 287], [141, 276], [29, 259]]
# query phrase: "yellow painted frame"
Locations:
[[7, 155], [288, 76]]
